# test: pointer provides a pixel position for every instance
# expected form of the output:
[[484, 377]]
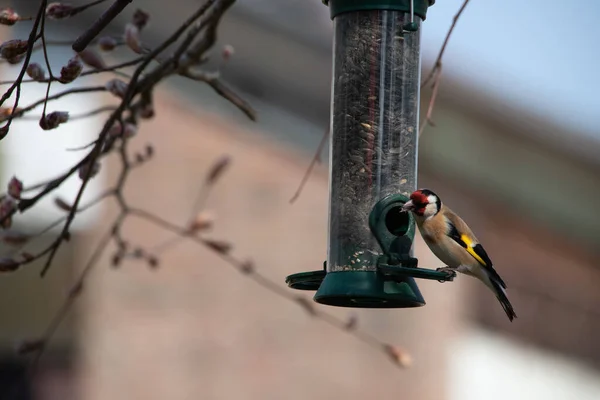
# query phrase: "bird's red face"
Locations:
[[422, 202]]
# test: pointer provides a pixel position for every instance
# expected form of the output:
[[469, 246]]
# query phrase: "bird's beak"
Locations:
[[408, 206]]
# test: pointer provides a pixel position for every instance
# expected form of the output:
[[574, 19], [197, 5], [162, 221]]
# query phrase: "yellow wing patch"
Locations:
[[467, 240]]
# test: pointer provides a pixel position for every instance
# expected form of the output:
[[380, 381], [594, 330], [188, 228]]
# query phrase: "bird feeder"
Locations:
[[373, 158]]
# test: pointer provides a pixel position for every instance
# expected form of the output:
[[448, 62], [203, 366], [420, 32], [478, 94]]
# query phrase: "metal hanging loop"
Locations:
[[412, 26]]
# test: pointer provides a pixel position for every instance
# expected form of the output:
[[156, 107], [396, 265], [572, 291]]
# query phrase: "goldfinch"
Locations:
[[453, 242]]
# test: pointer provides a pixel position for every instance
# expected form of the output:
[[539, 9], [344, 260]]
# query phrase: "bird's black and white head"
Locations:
[[423, 203]]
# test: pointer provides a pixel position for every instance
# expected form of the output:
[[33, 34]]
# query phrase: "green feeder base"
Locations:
[[367, 289], [393, 284]]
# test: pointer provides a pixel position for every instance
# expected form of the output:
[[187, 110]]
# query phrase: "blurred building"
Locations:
[[196, 328]]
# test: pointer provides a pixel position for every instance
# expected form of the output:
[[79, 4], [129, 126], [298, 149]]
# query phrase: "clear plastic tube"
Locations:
[[374, 127]]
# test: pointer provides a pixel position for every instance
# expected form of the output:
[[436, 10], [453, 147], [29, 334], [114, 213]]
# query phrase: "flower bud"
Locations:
[[227, 52], [116, 259], [59, 10], [71, 71], [92, 58], [140, 19], [146, 111], [220, 246], [13, 48], [202, 222], [217, 169], [152, 261], [62, 204], [53, 120], [36, 72], [8, 264], [15, 238], [15, 187], [398, 355], [130, 130], [16, 59], [27, 257], [247, 267], [117, 87], [8, 16], [88, 168], [5, 112], [106, 43], [115, 130], [7, 206], [132, 38]]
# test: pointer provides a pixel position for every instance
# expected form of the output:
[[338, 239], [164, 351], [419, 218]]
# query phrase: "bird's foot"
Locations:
[[451, 272]]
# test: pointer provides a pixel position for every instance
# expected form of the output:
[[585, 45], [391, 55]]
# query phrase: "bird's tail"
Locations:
[[503, 299]]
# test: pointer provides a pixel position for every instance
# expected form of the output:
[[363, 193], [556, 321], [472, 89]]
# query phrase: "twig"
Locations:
[[66, 306], [438, 60], [87, 89], [197, 51], [247, 268], [58, 221], [49, 184], [112, 68], [436, 73], [113, 11], [116, 115], [74, 117], [17, 84], [316, 159], [213, 81], [119, 42], [85, 7], [47, 61], [91, 113], [432, 100], [27, 203], [199, 204]]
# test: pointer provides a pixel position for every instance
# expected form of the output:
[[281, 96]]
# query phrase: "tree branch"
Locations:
[[106, 18]]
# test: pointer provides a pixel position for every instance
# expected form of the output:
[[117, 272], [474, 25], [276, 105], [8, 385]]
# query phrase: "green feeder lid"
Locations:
[[342, 6]]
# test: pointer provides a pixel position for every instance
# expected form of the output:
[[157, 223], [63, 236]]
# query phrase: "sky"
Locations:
[[541, 55]]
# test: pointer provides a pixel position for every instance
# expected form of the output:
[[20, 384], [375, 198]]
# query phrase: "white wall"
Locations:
[[488, 366], [34, 155]]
